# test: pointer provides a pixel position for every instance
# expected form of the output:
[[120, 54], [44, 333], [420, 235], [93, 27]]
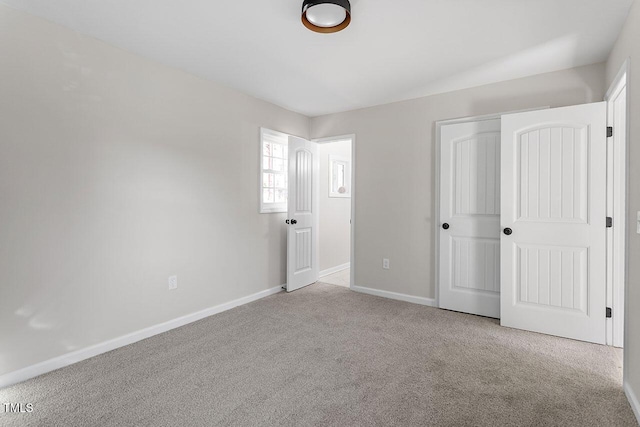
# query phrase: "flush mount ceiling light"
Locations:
[[326, 16]]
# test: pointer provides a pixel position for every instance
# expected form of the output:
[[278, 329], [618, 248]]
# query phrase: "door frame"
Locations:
[[616, 290], [437, 160], [352, 254]]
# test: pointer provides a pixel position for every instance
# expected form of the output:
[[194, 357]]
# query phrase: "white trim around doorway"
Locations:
[[617, 196]]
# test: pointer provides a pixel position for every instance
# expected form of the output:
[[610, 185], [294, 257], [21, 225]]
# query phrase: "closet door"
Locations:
[[470, 218], [553, 208]]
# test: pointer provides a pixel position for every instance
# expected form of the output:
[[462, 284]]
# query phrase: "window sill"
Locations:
[[273, 210]]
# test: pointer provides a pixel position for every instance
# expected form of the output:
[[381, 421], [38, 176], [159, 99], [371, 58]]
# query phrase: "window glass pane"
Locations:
[[268, 195], [267, 162], [268, 180], [278, 150], [278, 164], [280, 181], [281, 196], [274, 150], [339, 176]]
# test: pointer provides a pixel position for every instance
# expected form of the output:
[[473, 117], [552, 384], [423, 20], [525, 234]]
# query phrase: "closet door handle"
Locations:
[[294, 222], [508, 231], [287, 221], [445, 226]]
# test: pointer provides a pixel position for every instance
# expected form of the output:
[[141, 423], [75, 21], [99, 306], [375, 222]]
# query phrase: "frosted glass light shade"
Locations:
[[326, 16]]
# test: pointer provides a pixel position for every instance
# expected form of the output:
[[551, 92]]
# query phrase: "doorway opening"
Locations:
[[312, 182], [335, 207]]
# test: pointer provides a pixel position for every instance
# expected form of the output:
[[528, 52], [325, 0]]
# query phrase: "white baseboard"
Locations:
[[394, 295], [335, 269], [94, 350], [633, 400]]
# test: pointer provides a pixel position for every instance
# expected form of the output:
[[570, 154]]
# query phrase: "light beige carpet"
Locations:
[[324, 355]]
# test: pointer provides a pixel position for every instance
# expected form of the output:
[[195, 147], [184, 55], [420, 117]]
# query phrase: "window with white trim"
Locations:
[[274, 153]]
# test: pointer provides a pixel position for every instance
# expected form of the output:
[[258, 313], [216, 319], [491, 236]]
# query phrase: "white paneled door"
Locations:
[[553, 208], [469, 267], [302, 221]]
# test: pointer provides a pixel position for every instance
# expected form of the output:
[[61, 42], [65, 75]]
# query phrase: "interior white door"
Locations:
[[553, 248], [470, 218], [302, 228]]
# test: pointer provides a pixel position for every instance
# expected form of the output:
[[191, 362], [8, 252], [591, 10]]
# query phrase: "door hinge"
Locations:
[[608, 312], [609, 131], [609, 222]]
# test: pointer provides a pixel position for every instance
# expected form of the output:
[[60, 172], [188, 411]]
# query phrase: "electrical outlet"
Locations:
[[385, 263], [173, 282]]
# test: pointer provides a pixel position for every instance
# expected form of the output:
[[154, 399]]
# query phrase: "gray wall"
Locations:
[[335, 213], [115, 173], [628, 46], [395, 167]]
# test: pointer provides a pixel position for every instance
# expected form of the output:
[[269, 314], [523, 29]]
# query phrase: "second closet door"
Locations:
[[470, 218]]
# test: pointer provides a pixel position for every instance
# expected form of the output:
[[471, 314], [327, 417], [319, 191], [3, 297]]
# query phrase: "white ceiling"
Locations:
[[393, 49]]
